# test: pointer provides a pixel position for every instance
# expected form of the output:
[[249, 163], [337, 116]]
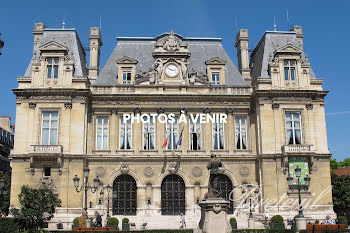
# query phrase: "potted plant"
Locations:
[[113, 222], [125, 224], [75, 222], [277, 222], [233, 223], [343, 220]]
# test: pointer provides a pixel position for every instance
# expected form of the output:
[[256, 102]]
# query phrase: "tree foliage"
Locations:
[[5, 197], [341, 192], [341, 164], [37, 206]]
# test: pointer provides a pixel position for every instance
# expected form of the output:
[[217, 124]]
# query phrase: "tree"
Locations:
[[5, 196], [334, 164], [37, 206], [341, 192]]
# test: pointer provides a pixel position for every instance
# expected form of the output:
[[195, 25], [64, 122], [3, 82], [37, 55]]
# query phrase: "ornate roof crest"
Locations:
[[172, 43]]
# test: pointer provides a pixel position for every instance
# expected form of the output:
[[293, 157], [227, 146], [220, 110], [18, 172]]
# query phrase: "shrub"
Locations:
[[8, 225], [342, 219], [76, 221], [277, 219], [112, 222], [233, 220], [125, 220]]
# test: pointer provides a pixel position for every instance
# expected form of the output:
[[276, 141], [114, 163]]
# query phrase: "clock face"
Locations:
[[172, 70]]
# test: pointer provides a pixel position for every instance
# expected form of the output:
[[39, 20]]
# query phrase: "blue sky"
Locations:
[[325, 25]]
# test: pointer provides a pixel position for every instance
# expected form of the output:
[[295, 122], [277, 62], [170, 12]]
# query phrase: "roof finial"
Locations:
[[274, 24], [63, 24]]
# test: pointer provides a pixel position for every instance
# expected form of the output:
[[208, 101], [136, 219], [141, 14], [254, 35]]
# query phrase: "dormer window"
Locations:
[[52, 68], [216, 71], [289, 70], [126, 75], [215, 77]]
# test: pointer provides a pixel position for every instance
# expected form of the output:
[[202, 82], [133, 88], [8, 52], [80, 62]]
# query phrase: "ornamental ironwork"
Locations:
[[173, 195], [124, 195]]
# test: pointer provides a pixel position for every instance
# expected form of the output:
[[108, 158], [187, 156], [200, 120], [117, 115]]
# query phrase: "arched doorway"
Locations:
[[173, 195], [225, 188], [124, 186]]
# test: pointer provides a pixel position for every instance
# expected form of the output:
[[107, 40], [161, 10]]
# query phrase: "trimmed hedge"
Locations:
[[143, 231], [277, 219], [263, 231], [233, 220], [112, 221]]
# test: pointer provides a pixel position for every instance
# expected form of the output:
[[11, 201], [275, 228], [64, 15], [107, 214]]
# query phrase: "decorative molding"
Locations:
[[148, 171], [68, 105], [160, 110], [183, 111], [47, 182], [197, 172], [309, 106], [275, 106], [100, 171], [244, 171], [137, 110], [126, 60], [229, 111], [114, 111], [124, 168], [32, 105], [215, 61], [206, 110]]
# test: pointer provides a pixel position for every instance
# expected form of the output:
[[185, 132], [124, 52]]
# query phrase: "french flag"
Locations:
[[180, 138]]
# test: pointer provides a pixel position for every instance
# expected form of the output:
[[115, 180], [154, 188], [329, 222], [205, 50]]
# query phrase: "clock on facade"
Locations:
[[171, 70]]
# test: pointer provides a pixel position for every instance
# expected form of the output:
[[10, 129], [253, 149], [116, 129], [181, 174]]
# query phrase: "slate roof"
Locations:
[[268, 44], [141, 49], [70, 39]]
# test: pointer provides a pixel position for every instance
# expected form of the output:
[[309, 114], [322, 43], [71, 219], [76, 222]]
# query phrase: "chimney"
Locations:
[[38, 33], [299, 31], [95, 44], [242, 54]]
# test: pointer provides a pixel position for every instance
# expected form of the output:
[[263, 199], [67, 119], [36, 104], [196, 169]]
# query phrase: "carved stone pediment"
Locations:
[[126, 60], [289, 48], [53, 46], [170, 43], [215, 61]]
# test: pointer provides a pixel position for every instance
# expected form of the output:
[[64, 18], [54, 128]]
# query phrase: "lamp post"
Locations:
[[299, 187], [103, 199], [251, 220], [86, 186]]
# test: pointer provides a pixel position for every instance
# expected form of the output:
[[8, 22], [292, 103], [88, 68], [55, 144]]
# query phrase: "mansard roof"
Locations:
[[67, 38], [271, 42], [142, 48]]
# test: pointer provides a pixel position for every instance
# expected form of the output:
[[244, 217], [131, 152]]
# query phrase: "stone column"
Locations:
[[189, 198], [300, 224], [141, 200], [157, 197], [242, 54], [95, 44]]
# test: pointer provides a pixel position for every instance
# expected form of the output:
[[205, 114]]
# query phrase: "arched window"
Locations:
[[124, 187], [225, 187], [173, 195]]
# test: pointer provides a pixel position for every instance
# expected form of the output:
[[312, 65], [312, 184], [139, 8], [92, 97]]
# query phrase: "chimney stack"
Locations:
[[300, 35], [243, 54], [95, 44], [38, 33]]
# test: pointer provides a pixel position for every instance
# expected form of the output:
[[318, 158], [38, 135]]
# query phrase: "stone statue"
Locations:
[[198, 77], [215, 168], [145, 76], [159, 68], [184, 64]]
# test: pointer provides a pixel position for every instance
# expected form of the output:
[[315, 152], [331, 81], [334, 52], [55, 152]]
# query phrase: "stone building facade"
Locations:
[[6, 142], [69, 117]]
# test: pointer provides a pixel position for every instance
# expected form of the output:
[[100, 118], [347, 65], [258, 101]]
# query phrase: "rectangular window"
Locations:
[[218, 136], [303, 164], [52, 68], [149, 135], [49, 128], [126, 76], [172, 130], [102, 133], [289, 70], [293, 128], [47, 171], [195, 135], [215, 77], [125, 134], [241, 132]]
